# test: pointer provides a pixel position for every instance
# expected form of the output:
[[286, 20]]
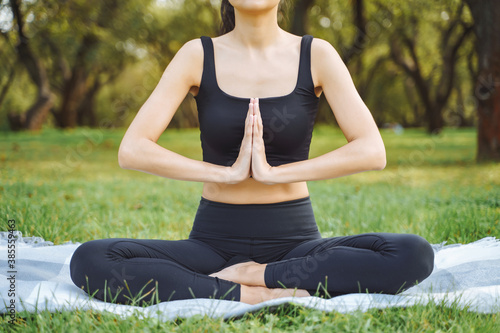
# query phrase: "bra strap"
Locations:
[[208, 61], [305, 79]]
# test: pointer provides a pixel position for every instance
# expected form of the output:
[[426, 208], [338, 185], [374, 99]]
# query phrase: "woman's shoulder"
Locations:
[[325, 60], [190, 61], [322, 50], [192, 48], [322, 46], [191, 52]]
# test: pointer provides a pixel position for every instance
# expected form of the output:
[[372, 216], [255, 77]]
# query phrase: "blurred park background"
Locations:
[[73, 74], [417, 63]]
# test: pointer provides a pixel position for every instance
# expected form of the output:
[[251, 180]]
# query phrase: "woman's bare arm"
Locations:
[[139, 149], [365, 149]]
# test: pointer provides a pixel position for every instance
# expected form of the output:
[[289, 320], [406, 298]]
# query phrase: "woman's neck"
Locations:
[[256, 30]]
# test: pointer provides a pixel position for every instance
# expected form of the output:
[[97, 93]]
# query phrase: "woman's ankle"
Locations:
[[256, 273], [248, 273]]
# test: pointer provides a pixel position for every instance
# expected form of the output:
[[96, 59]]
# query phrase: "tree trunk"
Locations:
[[360, 40], [86, 110], [34, 118], [75, 88], [73, 94], [8, 84], [486, 14], [299, 19], [38, 112], [435, 121]]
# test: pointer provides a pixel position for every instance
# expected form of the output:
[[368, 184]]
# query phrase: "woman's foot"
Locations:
[[247, 273], [254, 295]]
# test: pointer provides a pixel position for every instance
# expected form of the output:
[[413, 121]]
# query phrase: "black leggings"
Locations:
[[284, 235]]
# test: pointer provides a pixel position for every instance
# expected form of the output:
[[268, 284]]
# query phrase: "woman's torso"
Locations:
[[273, 76]]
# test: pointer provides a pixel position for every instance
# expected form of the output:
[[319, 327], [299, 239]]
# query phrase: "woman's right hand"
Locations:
[[241, 168]]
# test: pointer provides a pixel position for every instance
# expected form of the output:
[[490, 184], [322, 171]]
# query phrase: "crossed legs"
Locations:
[[183, 269]]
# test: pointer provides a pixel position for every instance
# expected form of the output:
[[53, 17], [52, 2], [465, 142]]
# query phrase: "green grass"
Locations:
[[67, 185], [287, 318]]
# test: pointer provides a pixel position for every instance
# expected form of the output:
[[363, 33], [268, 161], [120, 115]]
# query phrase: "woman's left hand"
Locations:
[[261, 170]]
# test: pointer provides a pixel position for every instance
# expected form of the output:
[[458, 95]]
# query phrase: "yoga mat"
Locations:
[[465, 275]]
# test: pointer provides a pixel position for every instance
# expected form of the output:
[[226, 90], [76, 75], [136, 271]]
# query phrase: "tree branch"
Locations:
[[449, 62], [61, 62], [360, 39], [8, 84], [24, 52], [413, 70]]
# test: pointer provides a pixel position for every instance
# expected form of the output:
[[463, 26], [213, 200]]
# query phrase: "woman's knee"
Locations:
[[86, 259], [418, 257]]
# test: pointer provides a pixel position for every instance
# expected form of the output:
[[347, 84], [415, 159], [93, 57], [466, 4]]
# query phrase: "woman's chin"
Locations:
[[254, 5]]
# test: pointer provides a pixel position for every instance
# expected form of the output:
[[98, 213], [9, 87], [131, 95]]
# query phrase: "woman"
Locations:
[[254, 235]]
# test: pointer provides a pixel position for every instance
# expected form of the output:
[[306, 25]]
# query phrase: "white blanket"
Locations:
[[467, 276]]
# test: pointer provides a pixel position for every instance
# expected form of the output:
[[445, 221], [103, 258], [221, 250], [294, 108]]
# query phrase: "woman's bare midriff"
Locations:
[[251, 191]]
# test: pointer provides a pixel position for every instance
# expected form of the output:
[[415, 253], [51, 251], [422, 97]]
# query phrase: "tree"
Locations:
[[77, 77], [71, 54], [434, 87], [6, 66], [486, 14], [35, 116]]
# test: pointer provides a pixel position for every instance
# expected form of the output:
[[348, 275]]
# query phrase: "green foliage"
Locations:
[[386, 89], [139, 38]]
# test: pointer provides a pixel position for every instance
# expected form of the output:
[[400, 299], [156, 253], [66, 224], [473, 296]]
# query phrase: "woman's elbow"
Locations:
[[125, 156], [379, 159], [374, 155]]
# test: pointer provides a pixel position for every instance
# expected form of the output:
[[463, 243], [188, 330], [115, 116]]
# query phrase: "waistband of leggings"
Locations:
[[258, 205], [290, 218]]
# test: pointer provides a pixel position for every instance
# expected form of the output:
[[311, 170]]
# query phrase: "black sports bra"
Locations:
[[288, 120]]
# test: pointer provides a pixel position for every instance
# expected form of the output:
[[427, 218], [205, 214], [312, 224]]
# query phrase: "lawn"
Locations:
[[67, 185]]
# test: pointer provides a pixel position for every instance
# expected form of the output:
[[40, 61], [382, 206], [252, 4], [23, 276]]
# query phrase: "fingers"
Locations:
[[249, 122], [257, 120], [256, 107]]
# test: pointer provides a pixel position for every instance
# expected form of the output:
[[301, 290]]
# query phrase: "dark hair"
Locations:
[[227, 15]]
